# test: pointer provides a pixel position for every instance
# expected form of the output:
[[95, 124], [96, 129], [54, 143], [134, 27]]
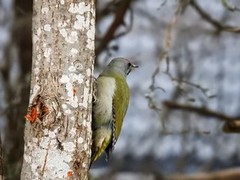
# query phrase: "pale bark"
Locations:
[[57, 144]]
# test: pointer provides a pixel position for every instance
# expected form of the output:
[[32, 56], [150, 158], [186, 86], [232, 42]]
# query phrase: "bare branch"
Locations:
[[129, 28], [219, 26], [118, 21], [109, 8], [200, 110], [232, 126], [185, 131], [229, 6], [233, 173]]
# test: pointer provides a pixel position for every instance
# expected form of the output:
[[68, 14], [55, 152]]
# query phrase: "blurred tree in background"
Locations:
[[184, 112], [15, 68]]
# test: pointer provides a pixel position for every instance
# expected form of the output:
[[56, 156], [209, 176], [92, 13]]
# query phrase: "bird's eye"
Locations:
[[129, 64]]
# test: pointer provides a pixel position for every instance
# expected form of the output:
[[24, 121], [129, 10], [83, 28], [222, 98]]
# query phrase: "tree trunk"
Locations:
[[1, 161], [58, 131]]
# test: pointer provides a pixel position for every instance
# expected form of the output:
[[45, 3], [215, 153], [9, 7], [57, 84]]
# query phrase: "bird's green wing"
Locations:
[[120, 105], [120, 102]]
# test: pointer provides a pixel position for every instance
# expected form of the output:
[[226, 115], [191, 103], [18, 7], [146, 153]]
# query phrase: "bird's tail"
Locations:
[[101, 141]]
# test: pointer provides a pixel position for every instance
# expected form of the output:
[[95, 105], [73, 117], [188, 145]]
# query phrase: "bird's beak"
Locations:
[[133, 66]]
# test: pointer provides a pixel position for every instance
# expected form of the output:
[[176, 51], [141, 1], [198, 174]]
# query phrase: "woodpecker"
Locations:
[[110, 105]]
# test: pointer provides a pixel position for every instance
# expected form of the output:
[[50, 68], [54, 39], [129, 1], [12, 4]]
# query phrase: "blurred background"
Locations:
[[183, 117]]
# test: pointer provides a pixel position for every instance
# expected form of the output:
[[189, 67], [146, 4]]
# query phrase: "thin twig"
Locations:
[[164, 55], [167, 44], [203, 90]]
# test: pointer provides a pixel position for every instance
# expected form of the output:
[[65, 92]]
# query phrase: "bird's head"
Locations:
[[121, 65]]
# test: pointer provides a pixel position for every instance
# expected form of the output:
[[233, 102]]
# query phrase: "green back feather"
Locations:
[[120, 102]]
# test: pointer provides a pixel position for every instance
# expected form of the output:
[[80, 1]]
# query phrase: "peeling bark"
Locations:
[[57, 142]]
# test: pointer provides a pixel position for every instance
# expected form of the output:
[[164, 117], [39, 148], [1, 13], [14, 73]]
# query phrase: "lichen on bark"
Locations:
[[57, 144]]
